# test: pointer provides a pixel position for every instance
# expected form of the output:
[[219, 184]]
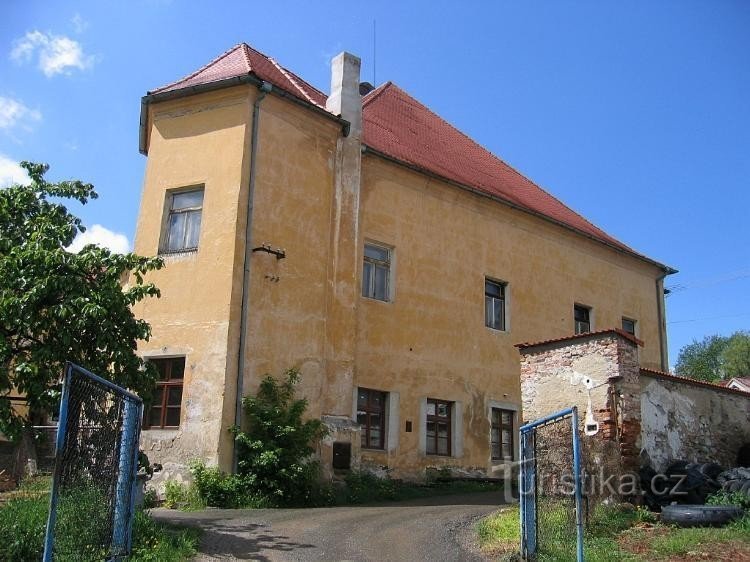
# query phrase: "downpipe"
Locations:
[[264, 88]]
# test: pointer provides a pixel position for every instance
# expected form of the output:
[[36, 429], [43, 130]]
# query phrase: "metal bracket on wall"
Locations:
[[278, 252]]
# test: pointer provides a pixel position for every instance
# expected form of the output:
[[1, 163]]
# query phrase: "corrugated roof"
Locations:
[[401, 128]]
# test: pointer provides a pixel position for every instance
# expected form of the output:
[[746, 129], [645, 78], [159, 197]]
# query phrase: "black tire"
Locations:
[[745, 488], [711, 470], [733, 485], [700, 515]]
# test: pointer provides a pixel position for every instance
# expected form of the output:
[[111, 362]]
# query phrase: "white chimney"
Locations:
[[345, 99]]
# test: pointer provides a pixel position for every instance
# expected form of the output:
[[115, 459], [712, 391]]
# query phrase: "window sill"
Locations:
[[497, 331], [373, 299], [177, 253], [164, 430], [371, 450]]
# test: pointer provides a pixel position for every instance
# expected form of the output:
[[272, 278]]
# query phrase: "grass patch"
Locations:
[[23, 519], [615, 535]]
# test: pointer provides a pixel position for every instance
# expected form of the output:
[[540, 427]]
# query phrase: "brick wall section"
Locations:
[[610, 359], [628, 392]]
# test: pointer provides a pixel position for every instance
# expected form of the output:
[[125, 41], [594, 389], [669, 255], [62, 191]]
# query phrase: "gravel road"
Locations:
[[435, 529]]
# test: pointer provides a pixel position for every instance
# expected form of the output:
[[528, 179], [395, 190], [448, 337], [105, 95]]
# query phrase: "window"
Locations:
[[582, 315], [376, 272], [167, 399], [371, 417], [184, 221], [439, 427], [628, 325], [494, 304], [502, 434]]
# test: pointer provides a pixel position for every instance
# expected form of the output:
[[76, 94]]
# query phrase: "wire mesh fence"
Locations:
[[556, 502], [551, 488], [92, 502]]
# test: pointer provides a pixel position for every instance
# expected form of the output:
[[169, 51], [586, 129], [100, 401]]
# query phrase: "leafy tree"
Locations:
[[57, 306], [716, 357], [736, 356]]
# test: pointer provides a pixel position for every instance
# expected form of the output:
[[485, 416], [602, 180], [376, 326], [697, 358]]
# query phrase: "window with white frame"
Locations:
[[183, 224], [376, 272]]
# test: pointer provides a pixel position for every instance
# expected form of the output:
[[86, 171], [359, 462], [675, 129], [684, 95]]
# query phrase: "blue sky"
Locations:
[[636, 114]]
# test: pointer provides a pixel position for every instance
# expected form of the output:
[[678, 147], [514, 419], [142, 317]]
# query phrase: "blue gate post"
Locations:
[[126, 479], [527, 497], [577, 478], [49, 536]]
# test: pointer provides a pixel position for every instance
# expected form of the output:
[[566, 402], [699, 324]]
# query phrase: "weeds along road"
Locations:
[[435, 529]]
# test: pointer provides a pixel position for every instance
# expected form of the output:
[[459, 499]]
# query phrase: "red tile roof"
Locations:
[[241, 60], [612, 331], [399, 127], [693, 382]]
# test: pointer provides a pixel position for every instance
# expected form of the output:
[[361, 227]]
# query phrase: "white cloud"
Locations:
[[97, 234], [14, 112], [79, 24], [11, 172], [57, 54]]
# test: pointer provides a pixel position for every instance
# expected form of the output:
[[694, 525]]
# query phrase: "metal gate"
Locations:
[[93, 487], [551, 488]]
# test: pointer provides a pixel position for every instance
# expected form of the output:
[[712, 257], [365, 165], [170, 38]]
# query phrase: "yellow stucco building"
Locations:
[[364, 240]]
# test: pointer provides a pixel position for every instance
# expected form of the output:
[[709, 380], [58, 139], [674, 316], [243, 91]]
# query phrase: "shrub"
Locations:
[[179, 495], [275, 461], [723, 497]]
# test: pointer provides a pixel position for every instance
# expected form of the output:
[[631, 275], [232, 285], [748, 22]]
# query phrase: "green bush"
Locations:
[[723, 497], [275, 461], [179, 495]]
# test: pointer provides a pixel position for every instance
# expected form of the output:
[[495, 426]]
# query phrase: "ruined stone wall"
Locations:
[[682, 419]]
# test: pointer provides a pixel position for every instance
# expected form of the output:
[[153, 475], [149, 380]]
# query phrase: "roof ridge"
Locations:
[[508, 166], [294, 80], [373, 94], [206, 67], [288, 77]]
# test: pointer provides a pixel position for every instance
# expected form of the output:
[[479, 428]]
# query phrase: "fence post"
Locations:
[[527, 498], [578, 491], [49, 536], [128, 467]]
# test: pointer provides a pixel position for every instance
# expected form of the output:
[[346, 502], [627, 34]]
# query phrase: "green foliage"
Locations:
[[275, 452], [56, 306], [365, 487], [216, 488], [182, 496], [22, 524], [23, 521], [716, 357], [155, 542], [150, 499], [644, 515], [722, 497]]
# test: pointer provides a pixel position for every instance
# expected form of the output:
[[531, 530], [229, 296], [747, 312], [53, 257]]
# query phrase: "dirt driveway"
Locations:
[[435, 529]]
